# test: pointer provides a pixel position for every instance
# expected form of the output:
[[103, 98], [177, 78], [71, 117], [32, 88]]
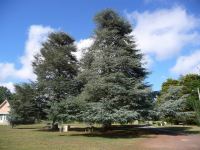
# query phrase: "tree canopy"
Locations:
[[56, 67], [113, 73], [23, 106], [5, 94], [183, 90]]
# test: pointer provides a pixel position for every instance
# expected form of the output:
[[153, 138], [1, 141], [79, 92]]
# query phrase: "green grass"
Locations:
[[31, 137]]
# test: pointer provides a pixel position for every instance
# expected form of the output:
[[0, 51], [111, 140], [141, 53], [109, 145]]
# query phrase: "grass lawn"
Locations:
[[31, 137]]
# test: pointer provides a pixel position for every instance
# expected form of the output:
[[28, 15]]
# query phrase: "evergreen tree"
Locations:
[[189, 84], [56, 67], [23, 106], [173, 107], [113, 74], [164, 89], [5, 94]]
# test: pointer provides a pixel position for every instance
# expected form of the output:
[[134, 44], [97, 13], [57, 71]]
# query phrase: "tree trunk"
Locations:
[[54, 126], [107, 126]]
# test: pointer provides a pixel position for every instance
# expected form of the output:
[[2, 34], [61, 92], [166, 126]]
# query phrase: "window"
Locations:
[[3, 117]]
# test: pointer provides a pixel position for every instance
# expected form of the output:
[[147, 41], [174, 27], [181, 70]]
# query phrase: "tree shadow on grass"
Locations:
[[130, 131], [180, 130], [112, 134], [24, 128], [125, 131], [44, 129]]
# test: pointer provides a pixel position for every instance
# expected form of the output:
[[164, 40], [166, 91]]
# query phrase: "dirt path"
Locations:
[[171, 142]]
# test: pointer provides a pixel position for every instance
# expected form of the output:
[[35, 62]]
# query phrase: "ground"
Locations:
[[166, 142], [32, 137]]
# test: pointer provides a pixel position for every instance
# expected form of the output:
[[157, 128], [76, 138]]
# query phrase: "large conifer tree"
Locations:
[[113, 73], [56, 68]]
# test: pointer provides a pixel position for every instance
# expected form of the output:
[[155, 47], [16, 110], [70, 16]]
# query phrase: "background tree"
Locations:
[[56, 67], [196, 107], [173, 107], [5, 94], [23, 106], [113, 74], [165, 87], [189, 84]]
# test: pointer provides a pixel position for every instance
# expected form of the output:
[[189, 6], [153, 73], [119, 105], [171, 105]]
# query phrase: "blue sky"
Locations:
[[167, 33]]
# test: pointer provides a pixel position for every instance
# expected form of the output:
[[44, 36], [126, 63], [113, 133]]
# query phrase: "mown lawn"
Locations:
[[31, 137]]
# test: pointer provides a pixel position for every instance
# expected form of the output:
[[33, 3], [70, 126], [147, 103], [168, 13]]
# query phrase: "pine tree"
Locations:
[[5, 94], [56, 67], [113, 74], [23, 106]]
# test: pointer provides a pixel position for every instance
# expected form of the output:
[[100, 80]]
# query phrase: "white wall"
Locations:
[[3, 119]]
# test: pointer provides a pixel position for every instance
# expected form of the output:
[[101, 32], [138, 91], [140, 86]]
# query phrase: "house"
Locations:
[[4, 111]]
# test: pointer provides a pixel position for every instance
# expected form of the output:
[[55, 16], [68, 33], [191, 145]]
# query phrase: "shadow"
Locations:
[[180, 130], [47, 130], [113, 134], [77, 129], [24, 128], [124, 131], [127, 131]]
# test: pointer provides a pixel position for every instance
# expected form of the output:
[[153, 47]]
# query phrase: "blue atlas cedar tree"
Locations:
[[113, 74], [56, 67]]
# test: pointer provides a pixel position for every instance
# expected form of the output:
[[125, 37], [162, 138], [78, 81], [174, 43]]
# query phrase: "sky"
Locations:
[[167, 33]]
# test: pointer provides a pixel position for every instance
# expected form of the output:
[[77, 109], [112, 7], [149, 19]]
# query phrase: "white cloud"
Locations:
[[7, 70], [9, 85], [187, 64], [164, 32], [147, 61], [82, 45], [36, 35]]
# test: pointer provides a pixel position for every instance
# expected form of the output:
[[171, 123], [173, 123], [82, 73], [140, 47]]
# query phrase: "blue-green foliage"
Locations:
[[108, 87], [113, 74], [174, 106], [180, 98]]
